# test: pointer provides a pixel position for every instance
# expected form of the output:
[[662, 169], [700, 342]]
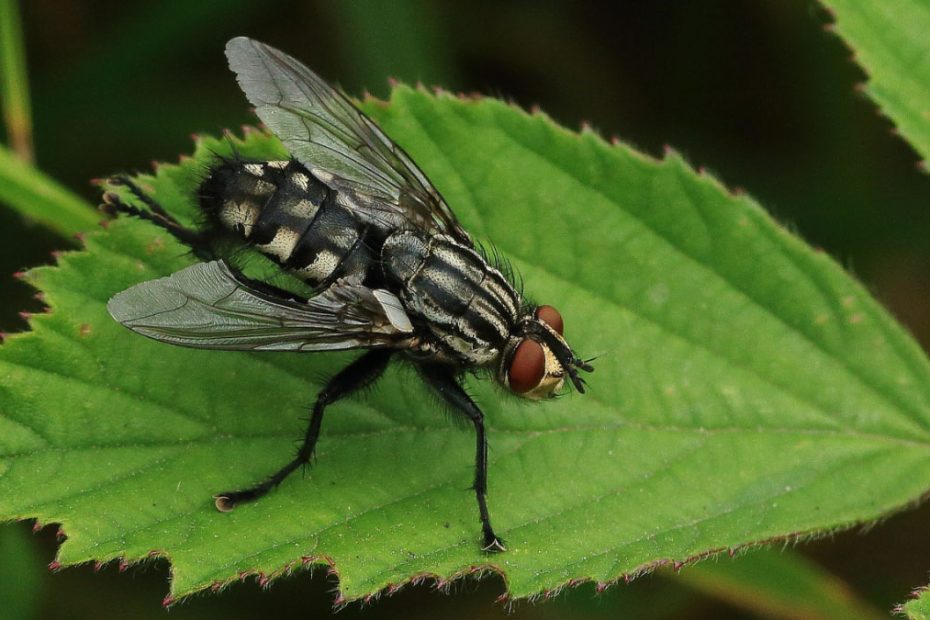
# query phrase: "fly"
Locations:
[[392, 270]]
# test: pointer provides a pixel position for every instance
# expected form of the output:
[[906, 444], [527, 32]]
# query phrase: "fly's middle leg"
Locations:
[[362, 372]]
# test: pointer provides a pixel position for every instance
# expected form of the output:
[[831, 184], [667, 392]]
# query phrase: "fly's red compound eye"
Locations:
[[551, 317], [527, 366]]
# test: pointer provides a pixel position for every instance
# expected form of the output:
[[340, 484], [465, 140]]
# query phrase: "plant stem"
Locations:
[[29, 191], [15, 84]]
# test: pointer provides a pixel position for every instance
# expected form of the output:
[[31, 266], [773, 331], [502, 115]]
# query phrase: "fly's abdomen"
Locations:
[[283, 211]]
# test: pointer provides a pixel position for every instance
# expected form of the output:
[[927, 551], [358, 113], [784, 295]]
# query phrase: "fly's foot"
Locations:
[[493, 544], [225, 502]]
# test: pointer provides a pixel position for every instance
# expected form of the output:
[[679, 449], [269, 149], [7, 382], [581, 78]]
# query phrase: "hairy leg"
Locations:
[[155, 214], [362, 372], [442, 379]]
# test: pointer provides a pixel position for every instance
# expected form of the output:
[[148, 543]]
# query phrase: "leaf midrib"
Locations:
[[227, 438]]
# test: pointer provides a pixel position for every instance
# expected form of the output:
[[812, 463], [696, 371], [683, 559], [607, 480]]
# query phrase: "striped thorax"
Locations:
[[469, 306]]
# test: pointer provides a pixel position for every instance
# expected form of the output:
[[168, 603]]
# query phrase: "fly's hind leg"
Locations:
[[156, 214], [362, 372], [198, 243]]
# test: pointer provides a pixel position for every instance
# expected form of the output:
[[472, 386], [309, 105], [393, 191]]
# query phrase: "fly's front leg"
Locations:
[[443, 381], [362, 372]]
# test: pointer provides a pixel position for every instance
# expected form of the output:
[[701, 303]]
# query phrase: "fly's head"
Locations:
[[538, 359]]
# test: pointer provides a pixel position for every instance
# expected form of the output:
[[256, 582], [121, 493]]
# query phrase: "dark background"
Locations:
[[758, 92]]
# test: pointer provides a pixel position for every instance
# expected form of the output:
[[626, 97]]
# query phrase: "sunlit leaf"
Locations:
[[746, 389]]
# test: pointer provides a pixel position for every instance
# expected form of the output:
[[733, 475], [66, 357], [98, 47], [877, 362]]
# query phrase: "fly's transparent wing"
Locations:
[[207, 307], [338, 144]]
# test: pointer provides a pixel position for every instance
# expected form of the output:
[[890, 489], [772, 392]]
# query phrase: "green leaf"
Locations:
[[746, 389], [919, 607], [778, 584], [889, 40]]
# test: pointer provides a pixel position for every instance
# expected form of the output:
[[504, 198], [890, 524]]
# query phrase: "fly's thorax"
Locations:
[[283, 211], [467, 305]]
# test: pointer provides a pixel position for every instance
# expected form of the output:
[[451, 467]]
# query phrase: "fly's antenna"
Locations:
[[562, 352]]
